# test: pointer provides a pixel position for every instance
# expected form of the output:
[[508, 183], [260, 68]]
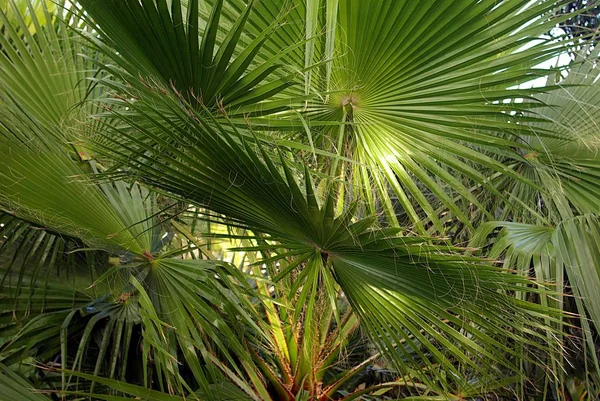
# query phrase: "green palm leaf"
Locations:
[[423, 82], [571, 248], [190, 53], [390, 281], [15, 387], [45, 182], [401, 109], [42, 90], [571, 113]]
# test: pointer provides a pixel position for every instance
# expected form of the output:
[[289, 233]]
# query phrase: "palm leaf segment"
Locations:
[[570, 159], [551, 252], [15, 387], [563, 167], [44, 91]]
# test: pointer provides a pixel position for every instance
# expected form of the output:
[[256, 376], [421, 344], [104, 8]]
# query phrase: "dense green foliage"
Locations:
[[298, 200]]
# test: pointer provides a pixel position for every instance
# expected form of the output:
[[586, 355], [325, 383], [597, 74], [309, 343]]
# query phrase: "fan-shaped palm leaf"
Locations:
[[192, 54], [419, 84], [405, 291]]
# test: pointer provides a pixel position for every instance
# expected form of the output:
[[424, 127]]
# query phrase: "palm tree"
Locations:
[[259, 199]]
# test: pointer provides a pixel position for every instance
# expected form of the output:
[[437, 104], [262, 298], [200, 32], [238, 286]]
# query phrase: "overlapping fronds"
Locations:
[[314, 130], [566, 254], [45, 184], [15, 387], [413, 297]]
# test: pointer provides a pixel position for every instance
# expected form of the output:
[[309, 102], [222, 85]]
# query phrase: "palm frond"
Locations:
[[15, 387], [172, 42], [43, 88], [423, 82], [390, 281], [566, 255]]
